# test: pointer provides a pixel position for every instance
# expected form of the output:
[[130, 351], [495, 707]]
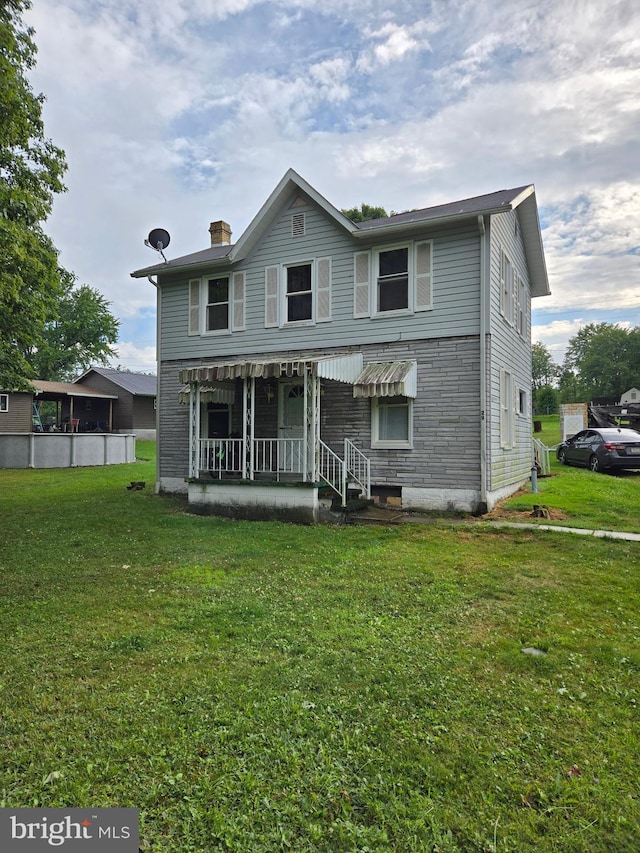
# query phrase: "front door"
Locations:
[[291, 425]]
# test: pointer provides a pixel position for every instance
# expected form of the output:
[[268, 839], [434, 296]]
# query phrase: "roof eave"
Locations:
[[436, 221]]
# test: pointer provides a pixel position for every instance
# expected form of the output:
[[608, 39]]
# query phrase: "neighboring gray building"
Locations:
[[135, 411], [394, 354]]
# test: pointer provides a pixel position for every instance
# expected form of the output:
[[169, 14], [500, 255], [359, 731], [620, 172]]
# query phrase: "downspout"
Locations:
[[158, 311], [485, 402]]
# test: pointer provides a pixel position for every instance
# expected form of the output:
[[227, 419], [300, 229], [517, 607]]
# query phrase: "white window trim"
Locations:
[[376, 441], [4, 403], [204, 295], [522, 402], [507, 406], [283, 293], [410, 280]]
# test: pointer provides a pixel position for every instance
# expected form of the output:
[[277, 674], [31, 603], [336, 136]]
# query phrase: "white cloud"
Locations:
[[137, 359], [182, 111]]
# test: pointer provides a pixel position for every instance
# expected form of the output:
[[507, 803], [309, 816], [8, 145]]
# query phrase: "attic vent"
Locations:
[[298, 225]]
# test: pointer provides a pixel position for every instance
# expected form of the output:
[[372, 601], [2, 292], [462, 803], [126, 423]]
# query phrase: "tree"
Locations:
[[602, 361], [364, 213], [31, 172], [80, 335], [544, 370], [546, 400]]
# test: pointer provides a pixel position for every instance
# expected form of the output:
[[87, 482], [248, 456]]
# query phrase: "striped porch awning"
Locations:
[[221, 392], [387, 379], [341, 368]]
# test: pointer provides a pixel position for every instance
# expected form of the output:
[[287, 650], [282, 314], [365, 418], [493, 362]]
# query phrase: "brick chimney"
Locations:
[[220, 233]]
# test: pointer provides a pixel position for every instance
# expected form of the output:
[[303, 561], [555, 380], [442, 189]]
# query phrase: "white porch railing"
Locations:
[[221, 455], [332, 470], [270, 456], [358, 467], [277, 456]]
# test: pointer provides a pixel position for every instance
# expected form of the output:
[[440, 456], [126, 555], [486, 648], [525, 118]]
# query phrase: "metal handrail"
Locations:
[[332, 470], [541, 456], [358, 466]]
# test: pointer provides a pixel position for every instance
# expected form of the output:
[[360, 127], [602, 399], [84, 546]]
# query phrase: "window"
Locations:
[[506, 287], [506, 410], [217, 307], [298, 292], [523, 405], [522, 303], [218, 420], [299, 298], [393, 279], [4, 402], [391, 422], [392, 286]]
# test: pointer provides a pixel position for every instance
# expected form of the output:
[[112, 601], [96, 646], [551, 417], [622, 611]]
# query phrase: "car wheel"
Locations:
[[562, 459], [594, 464]]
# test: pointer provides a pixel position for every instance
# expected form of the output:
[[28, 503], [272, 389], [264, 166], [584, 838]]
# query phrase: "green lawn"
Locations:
[[270, 687], [577, 496]]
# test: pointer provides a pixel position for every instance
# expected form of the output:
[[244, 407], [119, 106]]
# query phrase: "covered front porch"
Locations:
[[257, 423]]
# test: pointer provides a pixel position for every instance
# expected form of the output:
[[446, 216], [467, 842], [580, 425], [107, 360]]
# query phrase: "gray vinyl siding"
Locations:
[[446, 417], [456, 293], [512, 352], [18, 418]]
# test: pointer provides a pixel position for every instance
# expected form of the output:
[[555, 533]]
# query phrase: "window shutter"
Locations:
[[271, 278], [323, 290], [423, 297], [194, 306], [238, 301], [361, 277], [503, 283]]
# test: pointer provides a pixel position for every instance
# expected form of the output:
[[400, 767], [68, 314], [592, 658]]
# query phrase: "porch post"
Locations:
[[248, 428], [312, 427], [194, 429], [306, 427]]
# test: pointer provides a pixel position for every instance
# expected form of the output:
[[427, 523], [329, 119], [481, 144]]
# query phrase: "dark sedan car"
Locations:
[[602, 449]]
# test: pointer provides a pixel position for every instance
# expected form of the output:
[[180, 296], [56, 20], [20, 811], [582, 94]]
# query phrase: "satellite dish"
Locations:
[[158, 239]]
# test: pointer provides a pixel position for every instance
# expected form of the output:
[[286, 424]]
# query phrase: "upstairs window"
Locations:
[[217, 308], [392, 279], [216, 305], [298, 294], [4, 402], [506, 287]]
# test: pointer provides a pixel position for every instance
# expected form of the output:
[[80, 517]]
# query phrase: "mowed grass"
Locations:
[[603, 501], [270, 687]]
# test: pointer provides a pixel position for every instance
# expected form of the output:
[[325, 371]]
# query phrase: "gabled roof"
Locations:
[[139, 384], [522, 199]]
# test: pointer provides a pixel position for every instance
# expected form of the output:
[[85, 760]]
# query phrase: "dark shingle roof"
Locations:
[[140, 384]]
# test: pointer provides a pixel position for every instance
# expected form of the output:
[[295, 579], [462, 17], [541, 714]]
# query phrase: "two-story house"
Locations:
[[394, 354]]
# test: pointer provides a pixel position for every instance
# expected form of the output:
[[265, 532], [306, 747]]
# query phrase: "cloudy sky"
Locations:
[[174, 113]]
